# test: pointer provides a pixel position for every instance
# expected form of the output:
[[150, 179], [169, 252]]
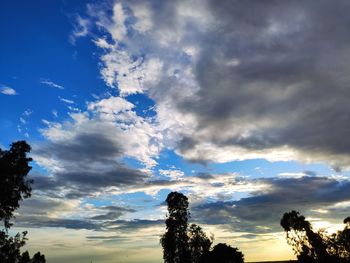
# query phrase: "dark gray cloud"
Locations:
[[127, 226], [261, 213], [39, 205], [113, 213], [82, 183], [274, 74], [84, 163], [117, 208], [104, 225], [107, 216], [40, 221], [82, 149], [41, 211], [122, 226]]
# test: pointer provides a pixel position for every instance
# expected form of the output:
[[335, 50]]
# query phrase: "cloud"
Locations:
[[8, 91], [276, 100], [261, 212], [39, 222], [84, 155], [115, 119], [173, 174], [42, 211], [66, 100], [39, 205], [133, 225], [47, 211], [249, 90], [22, 127], [143, 14], [50, 83], [84, 165], [112, 215], [81, 29]]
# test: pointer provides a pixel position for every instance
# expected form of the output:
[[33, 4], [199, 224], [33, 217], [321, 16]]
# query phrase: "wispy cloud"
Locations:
[[8, 91], [81, 29], [66, 100], [22, 127], [50, 83]]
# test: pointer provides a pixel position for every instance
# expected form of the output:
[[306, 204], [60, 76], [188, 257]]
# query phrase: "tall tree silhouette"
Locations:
[[175, 239], [183, 244], [307, 244], [14, 186]]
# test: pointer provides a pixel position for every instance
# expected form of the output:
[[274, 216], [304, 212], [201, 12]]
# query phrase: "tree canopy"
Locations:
[[175, 239], [316, 247], [14, 186], [184, 243]]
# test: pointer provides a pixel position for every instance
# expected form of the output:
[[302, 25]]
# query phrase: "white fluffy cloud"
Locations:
[[114, 119]]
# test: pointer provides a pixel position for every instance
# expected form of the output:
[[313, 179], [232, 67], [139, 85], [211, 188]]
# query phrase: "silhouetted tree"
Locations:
[[14, 186], [10, 247], [223, 253], [25, 258], [183, 244], [175, 239], [307, 244], [339, 243], [38, 258], [198, 242], [347, 221]]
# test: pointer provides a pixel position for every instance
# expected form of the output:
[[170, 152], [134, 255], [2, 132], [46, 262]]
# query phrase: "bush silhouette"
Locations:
[[223, 253]]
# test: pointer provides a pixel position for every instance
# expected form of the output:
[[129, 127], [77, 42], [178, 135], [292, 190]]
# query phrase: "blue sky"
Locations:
[[125, 101]]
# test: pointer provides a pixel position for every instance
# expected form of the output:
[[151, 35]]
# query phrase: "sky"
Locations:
[[243, 106]]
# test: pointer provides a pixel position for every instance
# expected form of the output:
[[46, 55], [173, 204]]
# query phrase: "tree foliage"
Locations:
[[10, 247], [223, 253], [312, 247], [339, 243], [198, 242], [175, 239], [14, 186], [182, 243]]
